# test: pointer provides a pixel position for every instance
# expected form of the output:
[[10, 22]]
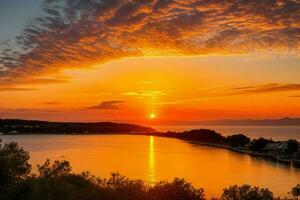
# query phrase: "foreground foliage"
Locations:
[[246, 192], [56, 181]]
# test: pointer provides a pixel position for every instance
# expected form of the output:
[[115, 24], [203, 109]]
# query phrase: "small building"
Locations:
[[272, 147], [14, 132], [277, 147]]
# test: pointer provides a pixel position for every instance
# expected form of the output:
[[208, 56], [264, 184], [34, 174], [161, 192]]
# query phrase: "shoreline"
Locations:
[[269, 157]]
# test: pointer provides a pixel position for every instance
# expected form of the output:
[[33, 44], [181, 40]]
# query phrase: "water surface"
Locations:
[[154, 159]]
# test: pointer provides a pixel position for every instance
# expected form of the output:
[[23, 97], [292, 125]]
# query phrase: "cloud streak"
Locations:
[[268, 88], [82, 33], [13, 89], [107, 105]]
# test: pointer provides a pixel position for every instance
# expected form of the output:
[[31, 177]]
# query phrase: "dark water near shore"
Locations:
[[153, 159], [274, 132]]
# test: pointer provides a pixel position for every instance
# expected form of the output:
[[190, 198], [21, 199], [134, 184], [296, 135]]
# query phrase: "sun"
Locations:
[[152, 116]]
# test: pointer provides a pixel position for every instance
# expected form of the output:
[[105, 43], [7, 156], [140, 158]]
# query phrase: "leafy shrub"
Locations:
[[246, 192], [121, 187], [238, 140], [13, 163], [58, 168], [296, 191], [259, 144], [179, 189], [292, 146], [14, 167]]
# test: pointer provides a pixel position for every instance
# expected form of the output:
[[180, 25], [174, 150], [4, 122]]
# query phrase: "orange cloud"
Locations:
[[107, 105], [12, 88], [295, 96], [82, 33]]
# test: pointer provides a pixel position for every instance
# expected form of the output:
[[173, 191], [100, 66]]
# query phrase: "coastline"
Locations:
[[269, 157]]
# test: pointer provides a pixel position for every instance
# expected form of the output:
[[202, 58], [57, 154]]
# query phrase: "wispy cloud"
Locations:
[[149, 82], [142, 94], [13, 89], [207, 93], [107, 105], [28, 110], [81, 33], [268, 88]]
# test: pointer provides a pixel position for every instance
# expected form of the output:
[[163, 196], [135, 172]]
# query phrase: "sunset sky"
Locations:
[[141, 61]]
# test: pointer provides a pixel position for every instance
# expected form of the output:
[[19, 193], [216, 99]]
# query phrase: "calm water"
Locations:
[[153, 159], [274, 132]]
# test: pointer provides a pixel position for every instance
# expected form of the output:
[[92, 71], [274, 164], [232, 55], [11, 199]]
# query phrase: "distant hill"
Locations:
[[253, 122], [16, 126]]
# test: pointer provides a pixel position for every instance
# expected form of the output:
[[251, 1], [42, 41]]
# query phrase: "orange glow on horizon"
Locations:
[[180, 89]]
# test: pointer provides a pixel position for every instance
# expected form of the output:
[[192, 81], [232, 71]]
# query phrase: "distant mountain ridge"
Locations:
[[253, 122], [232, 122]]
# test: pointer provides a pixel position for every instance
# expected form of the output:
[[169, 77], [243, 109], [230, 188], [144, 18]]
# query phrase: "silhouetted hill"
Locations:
[[14, 126]]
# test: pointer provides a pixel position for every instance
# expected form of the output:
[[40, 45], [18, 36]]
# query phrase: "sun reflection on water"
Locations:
[[152, 174]]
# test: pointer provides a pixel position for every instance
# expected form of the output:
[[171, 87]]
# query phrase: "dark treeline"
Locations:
[[16, 126], [56, 181], [237, 141]]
